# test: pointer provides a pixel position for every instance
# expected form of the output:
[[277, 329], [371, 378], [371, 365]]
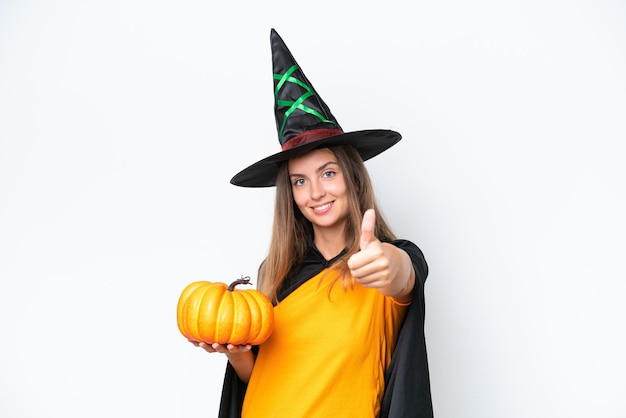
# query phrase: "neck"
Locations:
[[329, 243]]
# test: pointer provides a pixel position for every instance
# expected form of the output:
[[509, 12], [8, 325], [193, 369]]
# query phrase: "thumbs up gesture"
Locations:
[[368, 227], [381, 265], [371, 265]]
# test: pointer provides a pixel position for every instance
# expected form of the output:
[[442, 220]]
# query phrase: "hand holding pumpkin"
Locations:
[[222, 348], [212, 312]]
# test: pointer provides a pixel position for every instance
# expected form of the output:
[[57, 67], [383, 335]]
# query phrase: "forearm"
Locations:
[[402, 278], [242, 363]]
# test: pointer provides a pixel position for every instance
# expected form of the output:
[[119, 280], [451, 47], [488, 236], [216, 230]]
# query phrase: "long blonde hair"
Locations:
[[292, 232]]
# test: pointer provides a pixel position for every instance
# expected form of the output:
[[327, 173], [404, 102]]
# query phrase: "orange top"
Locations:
[[327, 354]]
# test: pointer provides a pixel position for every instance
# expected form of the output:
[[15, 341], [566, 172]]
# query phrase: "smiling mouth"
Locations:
[[322, 208]]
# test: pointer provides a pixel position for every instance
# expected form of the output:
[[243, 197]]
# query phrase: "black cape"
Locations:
[[407, 381]]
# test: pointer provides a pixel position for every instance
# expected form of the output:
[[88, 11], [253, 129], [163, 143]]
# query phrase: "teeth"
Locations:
[[325, 206]]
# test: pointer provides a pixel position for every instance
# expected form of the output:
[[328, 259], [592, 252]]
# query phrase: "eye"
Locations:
[[328, 174], [298, 182]]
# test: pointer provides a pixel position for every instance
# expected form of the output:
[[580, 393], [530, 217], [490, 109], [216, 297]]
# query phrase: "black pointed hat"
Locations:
[[304, 122]]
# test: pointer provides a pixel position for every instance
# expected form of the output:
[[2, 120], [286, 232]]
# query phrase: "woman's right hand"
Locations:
[[239, 356], [222, 348]]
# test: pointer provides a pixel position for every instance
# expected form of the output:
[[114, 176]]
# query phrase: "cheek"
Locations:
[[337, 189], [299, 198]]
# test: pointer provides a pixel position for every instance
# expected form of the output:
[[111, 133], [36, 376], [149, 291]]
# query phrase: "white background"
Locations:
[[122, 122]]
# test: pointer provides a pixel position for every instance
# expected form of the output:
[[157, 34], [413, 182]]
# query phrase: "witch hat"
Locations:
[[304, 122]]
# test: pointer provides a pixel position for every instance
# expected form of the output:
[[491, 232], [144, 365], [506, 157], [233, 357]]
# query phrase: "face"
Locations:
[[319, 189]]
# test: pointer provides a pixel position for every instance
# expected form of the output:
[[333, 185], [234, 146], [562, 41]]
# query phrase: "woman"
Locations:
[[342, 284]]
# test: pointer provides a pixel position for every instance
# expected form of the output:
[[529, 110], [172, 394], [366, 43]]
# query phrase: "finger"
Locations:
[[367, 229], [206, 347], [238, 348], [370, 281], [364, 258]]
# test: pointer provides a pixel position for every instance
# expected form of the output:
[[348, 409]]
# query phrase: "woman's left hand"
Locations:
[[381, 265]]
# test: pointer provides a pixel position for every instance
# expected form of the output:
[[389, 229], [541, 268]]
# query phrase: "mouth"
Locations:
[[321, 209]]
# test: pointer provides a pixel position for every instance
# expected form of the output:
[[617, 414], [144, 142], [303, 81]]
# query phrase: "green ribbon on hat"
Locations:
[[293, 105]]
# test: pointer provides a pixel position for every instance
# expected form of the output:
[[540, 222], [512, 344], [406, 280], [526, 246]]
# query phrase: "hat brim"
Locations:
[[368, 143]]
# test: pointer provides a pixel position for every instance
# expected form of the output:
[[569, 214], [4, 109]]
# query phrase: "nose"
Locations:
[[317, 190]]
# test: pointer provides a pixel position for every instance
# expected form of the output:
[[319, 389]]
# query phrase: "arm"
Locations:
[[242, 362], [401, 277], [239, 356]]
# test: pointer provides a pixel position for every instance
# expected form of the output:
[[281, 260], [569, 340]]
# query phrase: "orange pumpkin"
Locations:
[[215, 313]]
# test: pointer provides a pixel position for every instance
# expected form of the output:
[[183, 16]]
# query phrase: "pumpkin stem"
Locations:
[[243, 280]]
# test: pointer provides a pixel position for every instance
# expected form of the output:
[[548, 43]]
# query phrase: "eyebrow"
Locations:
[[320, 168]]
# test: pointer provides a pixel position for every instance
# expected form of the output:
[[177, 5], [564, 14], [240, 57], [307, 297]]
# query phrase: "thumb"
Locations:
[[367, 229]]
